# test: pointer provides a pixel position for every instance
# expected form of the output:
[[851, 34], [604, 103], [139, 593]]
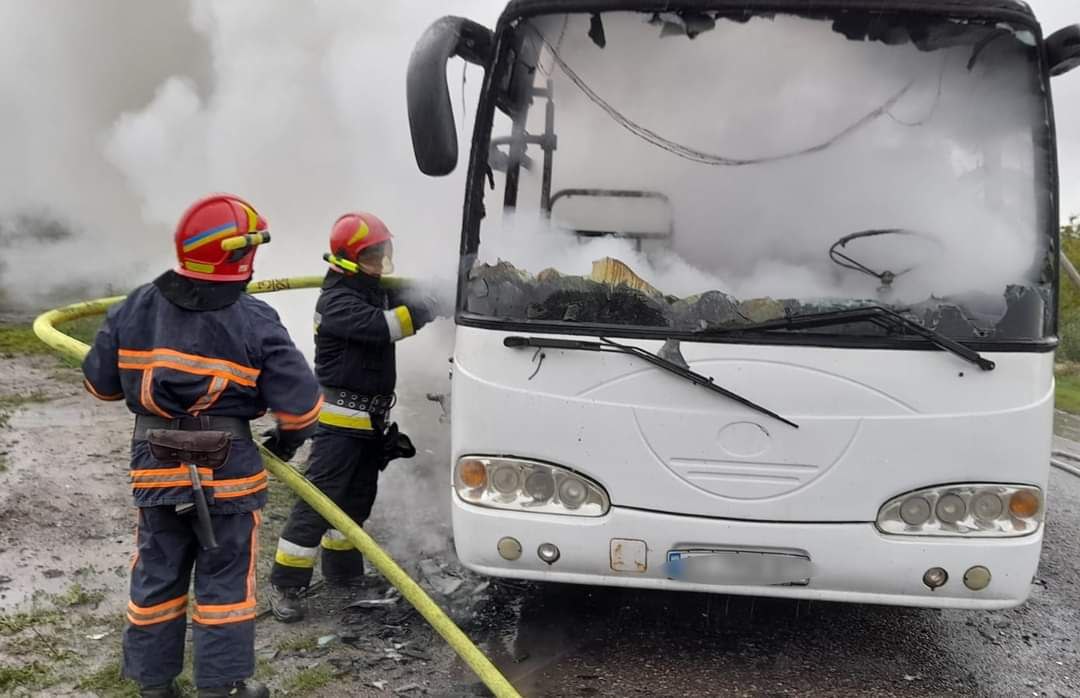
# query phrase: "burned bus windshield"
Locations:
[[683, 171]]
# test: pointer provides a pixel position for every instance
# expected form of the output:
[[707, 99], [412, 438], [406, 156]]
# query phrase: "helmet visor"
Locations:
[[377, 260]]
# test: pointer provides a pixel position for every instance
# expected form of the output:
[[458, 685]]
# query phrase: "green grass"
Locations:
[[308, 680], [1069, 300], [82, 329], [33, 675], [40, 644], [77, 596], [299, 644], [264, 669], [17, 400], [14, 623], [20, 340], [1067, 393], [109, 683], [38, 616]]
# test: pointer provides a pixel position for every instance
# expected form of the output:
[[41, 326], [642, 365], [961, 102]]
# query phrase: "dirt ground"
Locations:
[[67, 534], [66, 525]]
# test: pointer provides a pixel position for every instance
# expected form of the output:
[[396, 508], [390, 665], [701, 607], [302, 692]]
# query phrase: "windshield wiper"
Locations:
[[876, 314], [606, 345]]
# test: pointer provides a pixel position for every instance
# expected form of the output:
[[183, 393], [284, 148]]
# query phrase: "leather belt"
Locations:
[[374, 404], [237, 426]]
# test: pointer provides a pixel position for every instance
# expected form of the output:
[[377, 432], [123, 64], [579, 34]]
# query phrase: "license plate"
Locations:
[[738, 567]]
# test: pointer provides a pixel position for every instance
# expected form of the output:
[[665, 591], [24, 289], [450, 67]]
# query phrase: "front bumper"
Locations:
[[850, 562]]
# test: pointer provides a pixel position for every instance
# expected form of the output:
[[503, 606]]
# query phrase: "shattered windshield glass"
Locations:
[[690, 171]]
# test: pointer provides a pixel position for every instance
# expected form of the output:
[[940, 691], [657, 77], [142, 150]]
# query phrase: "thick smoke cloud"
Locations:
[[946, 150], [67, 71], [306, 117], [121, 115], [118, 114]]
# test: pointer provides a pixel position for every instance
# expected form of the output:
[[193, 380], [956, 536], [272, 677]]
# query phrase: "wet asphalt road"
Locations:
[[562, 640]]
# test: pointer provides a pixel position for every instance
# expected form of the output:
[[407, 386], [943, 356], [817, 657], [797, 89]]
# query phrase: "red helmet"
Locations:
[[353, 233], [216, 239]]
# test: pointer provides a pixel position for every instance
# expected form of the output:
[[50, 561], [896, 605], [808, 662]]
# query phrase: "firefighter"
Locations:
[[196, 358], [357, 323]]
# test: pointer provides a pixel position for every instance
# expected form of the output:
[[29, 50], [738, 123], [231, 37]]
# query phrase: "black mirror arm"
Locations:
[[431, 115], [1063, 50]]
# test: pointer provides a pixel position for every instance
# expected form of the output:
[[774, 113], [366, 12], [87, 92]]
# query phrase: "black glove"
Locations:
[[283, 448], [396, 445], [421, 311]]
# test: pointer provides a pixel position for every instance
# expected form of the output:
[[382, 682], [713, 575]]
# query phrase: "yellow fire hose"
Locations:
[[45, 329]]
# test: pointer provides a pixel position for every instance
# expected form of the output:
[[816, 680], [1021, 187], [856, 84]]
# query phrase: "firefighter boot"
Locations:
[[239, 689], [164, 691], [287, 604]]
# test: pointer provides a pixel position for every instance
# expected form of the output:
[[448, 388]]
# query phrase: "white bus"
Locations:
[[755, 296]]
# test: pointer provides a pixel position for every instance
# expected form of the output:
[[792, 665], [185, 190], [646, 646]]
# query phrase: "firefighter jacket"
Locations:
[[357, 322], [179, 347]]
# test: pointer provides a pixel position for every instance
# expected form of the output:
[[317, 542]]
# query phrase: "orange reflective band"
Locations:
[[188, 363], [135, 555], [210, 608], [222, 614], [139, 620], [158, 478], [203, 620], [260, 476], [294, 422], [217, 387], [234, 494], [160, 613], [239, 487], [108, 398], [146, 394], [256, 521], [179, 601]]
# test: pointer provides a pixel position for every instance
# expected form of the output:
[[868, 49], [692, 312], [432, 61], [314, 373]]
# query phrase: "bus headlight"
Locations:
[[964, 510], [520, 485]]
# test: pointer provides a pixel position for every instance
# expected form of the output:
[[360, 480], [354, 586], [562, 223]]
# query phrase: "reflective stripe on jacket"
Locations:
[[357, 323], [171, 361]]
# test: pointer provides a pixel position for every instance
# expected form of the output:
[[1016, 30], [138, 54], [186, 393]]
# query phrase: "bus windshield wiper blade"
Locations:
[[879, 315], [606, 345]]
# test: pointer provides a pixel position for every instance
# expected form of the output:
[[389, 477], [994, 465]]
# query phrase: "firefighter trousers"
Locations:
[[223, 622], [346, 469]]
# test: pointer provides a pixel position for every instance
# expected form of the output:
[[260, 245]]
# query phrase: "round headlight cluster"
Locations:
[[510, 483], [964, 510]]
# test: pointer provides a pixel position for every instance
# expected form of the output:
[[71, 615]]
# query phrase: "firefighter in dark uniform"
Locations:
[[357, 323], [196, 358]]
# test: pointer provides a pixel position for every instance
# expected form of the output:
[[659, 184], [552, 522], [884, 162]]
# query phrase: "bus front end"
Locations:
[[754, 301]]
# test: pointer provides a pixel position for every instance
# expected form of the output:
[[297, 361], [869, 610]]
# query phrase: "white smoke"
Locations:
[[307, 119], [67, 70], [129, 113], [775, 86]]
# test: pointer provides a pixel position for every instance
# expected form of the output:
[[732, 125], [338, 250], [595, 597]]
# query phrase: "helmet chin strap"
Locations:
[[386, 266], [341, 263]]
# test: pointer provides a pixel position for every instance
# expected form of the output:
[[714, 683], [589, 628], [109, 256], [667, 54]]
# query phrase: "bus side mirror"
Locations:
[[1063, 50], [431, 117]]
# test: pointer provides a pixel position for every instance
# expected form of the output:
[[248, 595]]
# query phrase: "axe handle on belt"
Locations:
[[203, 529]]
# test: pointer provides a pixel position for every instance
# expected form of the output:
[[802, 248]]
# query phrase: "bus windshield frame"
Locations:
[[503, 87]]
